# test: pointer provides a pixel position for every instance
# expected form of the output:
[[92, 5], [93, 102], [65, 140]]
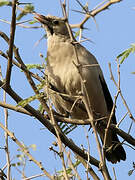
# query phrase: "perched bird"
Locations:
[[65, 78]]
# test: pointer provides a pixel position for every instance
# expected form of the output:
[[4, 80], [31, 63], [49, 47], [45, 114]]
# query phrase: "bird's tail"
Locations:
[[115, 152]]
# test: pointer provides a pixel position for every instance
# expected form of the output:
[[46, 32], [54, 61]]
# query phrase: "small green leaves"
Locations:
[[33, 146], [27, 9], [68, 170], [21, 156], [32, 22], [24, 102], [4, 3], [34, 66], [40, 108], [130, 172], [77, 33], [41, 85], [126, 53]]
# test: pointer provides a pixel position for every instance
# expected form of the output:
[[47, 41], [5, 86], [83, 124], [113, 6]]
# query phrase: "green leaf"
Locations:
[[21, 158], [77, 34], [32, 22], [27, 9], [46, 59], [124, 55], [18, 155], [33, 146], [4, 3], [34, 66], [41, 85], [19, 164], [69, 170], [40, 108], [24, 102], [130, 172], [13, 164]]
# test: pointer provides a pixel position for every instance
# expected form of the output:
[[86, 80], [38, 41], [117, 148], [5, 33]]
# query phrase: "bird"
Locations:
[[72, 72]]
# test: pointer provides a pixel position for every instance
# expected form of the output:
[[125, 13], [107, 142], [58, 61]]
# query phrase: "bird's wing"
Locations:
[[108, 98]]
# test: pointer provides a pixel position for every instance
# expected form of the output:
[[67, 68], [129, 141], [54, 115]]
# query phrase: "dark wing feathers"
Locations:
[[108, 98], [117, 153]]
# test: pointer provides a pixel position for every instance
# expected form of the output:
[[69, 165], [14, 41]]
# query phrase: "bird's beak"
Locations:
[[42, 19]]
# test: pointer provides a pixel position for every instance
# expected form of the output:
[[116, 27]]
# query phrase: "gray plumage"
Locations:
[[64, 78]]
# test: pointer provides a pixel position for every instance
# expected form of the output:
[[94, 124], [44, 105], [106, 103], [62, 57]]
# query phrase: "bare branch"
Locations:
[[72, 166], [124, 135], [26, 151], [114, 174], [19, 65], [90, 170], [34, 176], [6, 135], [11, 43], [6, 141], [104, 7], [14, 108], [124, 102], [94, 12], [57, 129], [113, 110], [21, 24]]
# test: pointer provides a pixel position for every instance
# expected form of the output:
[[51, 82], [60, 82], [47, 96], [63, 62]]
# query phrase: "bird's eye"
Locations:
[[55, 22]]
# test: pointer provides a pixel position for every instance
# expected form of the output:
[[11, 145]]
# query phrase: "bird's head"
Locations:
[[53, 25]]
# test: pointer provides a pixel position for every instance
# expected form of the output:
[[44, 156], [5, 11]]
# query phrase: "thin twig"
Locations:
[[109, 123], [14, 108], [129, 146], [125, 104], [124, 101], [127, 137], [59, 143], [128, 131], [114, 174], [87, 166], [118, 124], [34, 176], [104, 7], [94, 12], [72, 165], [2, 34], [21, 24], [39, 164], [6, 135], [18, 170], [6, 141], [87, 138], [77, 121], [11, 43], [5, 166]]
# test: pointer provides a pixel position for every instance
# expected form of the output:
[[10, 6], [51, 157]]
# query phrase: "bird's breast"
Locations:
[[60, 67]]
